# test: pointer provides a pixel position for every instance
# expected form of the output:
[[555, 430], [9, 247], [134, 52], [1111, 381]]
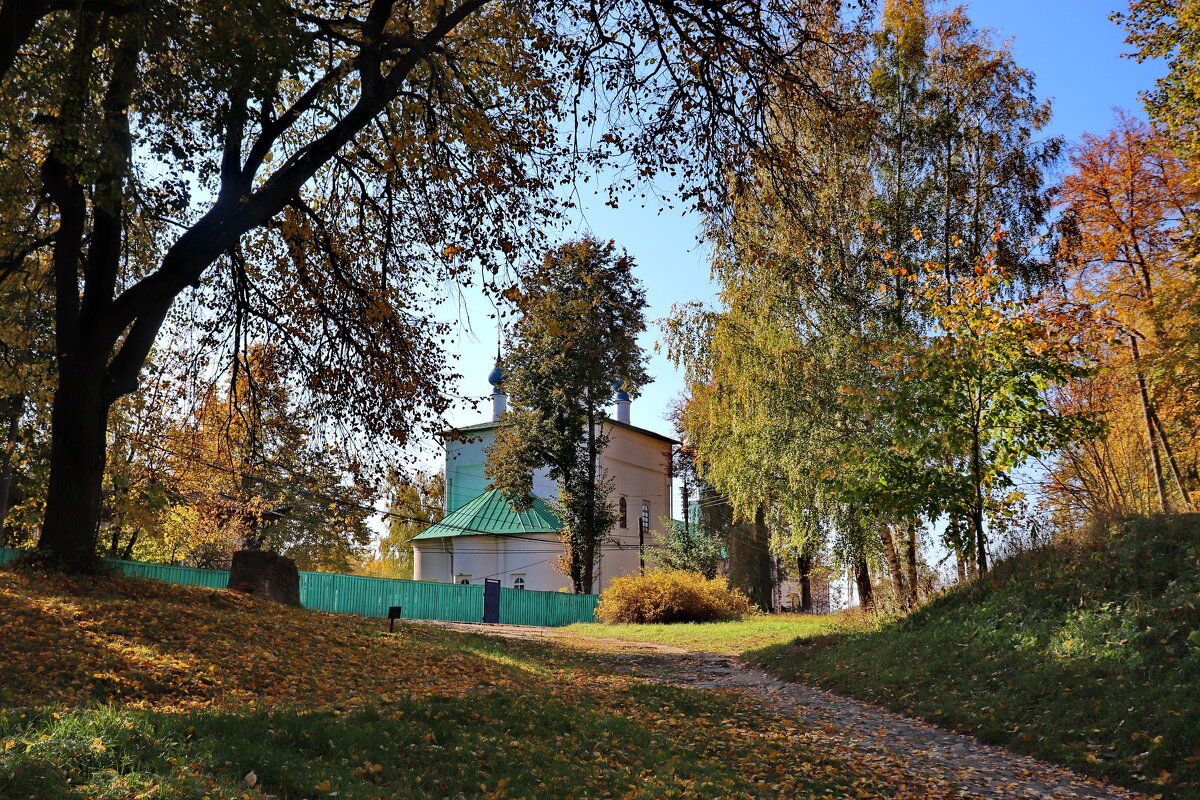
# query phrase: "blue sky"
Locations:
[[1071, 46]]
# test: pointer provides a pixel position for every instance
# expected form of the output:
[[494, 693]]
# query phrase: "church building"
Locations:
[[482, 536]]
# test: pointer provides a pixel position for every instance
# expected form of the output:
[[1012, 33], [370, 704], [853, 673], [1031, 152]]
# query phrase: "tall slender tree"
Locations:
[[572, 345], [1129, 206]]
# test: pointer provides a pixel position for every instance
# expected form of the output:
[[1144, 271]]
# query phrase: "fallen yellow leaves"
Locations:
[[147, 644]]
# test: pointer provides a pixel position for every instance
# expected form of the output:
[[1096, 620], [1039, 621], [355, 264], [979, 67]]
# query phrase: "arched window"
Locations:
[[645, 520], [622, 513], [518, 581], [463, 579]]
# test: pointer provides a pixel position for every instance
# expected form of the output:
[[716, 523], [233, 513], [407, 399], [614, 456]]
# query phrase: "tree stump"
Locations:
[[267, 575]]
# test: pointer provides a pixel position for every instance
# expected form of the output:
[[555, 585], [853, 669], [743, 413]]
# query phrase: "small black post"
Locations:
[[393, 615]]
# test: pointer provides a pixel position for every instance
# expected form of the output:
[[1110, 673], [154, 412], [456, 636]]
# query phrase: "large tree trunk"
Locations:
[[1151, 434], [910, 555], [977, 511], [685, 492], [1172, 461], [591, 534], [589, 568], [128, 552], [981, 562], [862, 580], [804, 575], [78, 424], [84, 341], [764, 572], [6, 469], [750, 567]]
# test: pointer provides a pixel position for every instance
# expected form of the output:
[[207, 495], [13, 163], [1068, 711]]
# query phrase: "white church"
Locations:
[[483, 537]]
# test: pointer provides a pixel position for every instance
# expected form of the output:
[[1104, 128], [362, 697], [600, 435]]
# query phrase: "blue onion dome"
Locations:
[[496, 376], [621, 390]]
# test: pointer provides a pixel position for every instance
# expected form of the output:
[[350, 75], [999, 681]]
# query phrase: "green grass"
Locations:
[[498, 744], [1088, 656], [728, 638]]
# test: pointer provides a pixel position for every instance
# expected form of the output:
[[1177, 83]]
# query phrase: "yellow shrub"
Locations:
[[664, 595]]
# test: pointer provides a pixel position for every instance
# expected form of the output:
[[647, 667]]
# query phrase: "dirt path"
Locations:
[[959, 764]]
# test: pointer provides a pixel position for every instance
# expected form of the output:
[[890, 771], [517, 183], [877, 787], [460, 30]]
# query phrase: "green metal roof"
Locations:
[[479, 427], [490, 514]]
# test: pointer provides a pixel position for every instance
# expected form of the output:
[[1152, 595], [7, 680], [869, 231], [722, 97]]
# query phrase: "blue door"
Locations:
[[491, 600]]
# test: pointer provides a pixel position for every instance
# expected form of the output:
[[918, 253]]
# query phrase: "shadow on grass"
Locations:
[[108, 639], [539, 745]]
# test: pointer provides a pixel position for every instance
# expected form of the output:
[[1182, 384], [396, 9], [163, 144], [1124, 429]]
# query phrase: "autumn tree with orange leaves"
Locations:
[[1128, 206]]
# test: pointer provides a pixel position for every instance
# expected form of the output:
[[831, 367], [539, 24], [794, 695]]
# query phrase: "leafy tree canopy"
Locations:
[[312, 174]]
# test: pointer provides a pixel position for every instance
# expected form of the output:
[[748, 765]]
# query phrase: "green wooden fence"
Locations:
[[550, 609], [184, 576], [371, 597]]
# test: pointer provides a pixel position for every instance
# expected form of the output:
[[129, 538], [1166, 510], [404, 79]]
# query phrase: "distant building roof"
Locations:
[[490, 514], [636, 429], [476, 428], [483, 426]]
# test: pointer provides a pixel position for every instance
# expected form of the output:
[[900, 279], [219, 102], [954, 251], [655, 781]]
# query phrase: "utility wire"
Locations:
[[327, 497], [738, 538]]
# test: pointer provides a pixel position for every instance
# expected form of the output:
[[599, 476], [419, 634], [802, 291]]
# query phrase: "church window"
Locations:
[[623, 513], [645, 520], [518, 581]]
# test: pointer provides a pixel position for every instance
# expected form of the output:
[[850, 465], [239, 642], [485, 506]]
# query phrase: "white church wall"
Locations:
[[617, 560], [505, 558], [637, 463], [431, 562], [639, 468]]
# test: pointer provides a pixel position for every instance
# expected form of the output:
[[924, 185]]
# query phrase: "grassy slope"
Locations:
[[1088, 657], [720, 637], [120, 688]]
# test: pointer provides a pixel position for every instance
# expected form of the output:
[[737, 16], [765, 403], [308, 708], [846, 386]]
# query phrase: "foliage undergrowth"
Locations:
[[122, 688], [1084, 653], [670, 595]]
